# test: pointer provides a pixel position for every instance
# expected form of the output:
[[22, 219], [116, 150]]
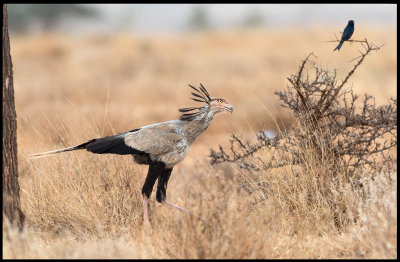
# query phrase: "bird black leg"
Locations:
[[155, 169], [161, 194]]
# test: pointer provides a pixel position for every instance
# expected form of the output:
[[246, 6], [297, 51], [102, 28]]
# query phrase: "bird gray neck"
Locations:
[[197, 125]]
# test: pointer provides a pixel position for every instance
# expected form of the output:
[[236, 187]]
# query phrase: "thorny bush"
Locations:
[[345, 134]]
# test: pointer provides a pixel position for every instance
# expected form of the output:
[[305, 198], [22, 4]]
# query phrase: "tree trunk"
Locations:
[[11, 201]]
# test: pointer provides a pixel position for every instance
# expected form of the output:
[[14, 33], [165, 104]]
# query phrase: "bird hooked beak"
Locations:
[[228, 108]]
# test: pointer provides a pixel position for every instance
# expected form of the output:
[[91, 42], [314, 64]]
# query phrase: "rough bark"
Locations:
[[11, 200]]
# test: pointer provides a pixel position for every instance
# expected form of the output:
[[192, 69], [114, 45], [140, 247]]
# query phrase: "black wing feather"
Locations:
[[110, 145]]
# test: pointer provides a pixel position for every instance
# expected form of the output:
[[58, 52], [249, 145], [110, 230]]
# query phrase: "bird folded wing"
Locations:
[[154, 141]]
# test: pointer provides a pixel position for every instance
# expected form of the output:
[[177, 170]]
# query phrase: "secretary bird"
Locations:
[[161, 145]]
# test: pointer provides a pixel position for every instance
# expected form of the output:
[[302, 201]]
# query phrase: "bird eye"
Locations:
[[219, 101]]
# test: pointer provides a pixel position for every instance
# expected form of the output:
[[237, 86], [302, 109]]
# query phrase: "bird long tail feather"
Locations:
[[339, 46], [43, 154]]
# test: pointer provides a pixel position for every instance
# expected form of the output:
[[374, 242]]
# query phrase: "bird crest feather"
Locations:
[[202, 96]]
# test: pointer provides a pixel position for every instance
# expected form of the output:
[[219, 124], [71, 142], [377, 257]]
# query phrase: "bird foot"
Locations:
[[182, 210]]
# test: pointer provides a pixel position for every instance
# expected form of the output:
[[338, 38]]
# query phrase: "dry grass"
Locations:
[[80, 205]]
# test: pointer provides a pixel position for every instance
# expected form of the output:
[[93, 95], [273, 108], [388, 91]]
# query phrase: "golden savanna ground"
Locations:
[[69, 89]]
